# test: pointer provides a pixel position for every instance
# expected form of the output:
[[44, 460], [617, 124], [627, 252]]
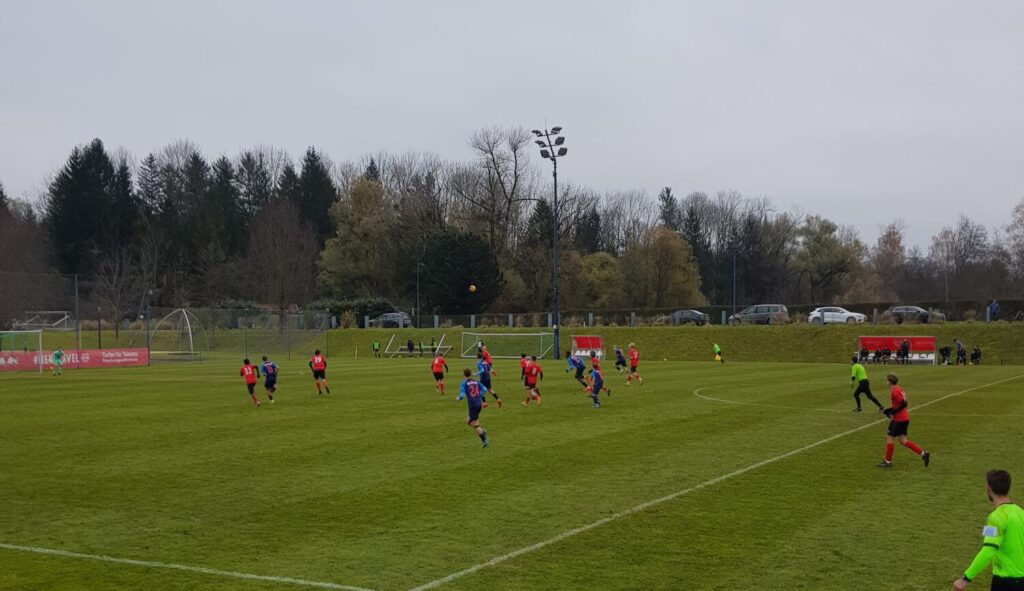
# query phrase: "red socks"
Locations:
[[912, 447], [888, 452]]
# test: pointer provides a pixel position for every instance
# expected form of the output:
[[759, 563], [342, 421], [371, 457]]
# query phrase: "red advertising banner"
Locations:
[[74, 359], [917, 344]]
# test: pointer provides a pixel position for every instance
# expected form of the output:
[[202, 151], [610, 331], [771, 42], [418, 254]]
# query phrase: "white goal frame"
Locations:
[[392, 349], [471, 341], [40, 355]]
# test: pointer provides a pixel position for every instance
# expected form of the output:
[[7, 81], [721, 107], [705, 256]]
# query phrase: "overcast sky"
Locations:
[[860, 111]]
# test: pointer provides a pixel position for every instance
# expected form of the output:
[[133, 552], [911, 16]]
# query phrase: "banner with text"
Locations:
[[73, 359]]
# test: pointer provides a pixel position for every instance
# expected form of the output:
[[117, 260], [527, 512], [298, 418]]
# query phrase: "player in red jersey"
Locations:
[[440, 367], [251, 373], [318, 363], [524, 363], [634, 361], [534, 372], [487, 357], [595, 360], [899, 423]]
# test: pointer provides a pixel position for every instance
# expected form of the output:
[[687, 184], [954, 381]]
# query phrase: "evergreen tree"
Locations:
[[317, 193], [588, 232], [150, 193], [668, 210], [453, 260], [372, 171], [125, 212], [255, 183], [3, 198], [222, 216], [77, 208], [288, 188]]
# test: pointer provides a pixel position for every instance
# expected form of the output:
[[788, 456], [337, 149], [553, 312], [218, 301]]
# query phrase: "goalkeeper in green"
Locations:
[[57, 359], [859, 376], [1003, 542]]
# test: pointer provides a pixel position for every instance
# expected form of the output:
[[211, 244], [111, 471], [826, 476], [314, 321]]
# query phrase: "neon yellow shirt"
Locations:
[[1003, 544], [858, 373]]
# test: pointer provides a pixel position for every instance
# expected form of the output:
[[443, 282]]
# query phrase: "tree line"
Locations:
[[263, 228]]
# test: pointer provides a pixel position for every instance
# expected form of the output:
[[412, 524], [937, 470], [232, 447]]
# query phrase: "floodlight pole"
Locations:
[[418, 265], [549, 152], [149, 342]]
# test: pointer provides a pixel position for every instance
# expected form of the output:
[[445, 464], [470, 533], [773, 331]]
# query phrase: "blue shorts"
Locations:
[[270, 383], [474, 412], [486, 382], [598, 384]]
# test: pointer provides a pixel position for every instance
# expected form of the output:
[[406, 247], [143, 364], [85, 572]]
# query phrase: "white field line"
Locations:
[[661, 500], [698, 394], [182, 567]]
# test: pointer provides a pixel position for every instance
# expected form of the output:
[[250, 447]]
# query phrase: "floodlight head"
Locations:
[[541, 144], [559, 141], [545, 154], [563, 151], [556, 129], [537, 132]]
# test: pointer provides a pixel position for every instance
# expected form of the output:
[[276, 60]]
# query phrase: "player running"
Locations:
[[859, 375], [596, 385], [57, 358], [620, 359], [487, 357], [269, 378], [439, 367], [251, 373], [524, 363], [634, 361], [899, 423], [575, 363], [318, 363], [718, 353], [484, 370], [533, 373], [471, 390]]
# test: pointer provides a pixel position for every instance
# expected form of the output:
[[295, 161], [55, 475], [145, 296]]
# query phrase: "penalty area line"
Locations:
[[669, 497], [181, 567]]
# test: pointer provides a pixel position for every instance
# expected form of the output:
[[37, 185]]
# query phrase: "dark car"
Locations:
[[761, 314], [901, 314], [392, 320], [686, 317]]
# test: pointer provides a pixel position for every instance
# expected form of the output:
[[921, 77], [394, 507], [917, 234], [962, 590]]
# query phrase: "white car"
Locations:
[[834, 315]]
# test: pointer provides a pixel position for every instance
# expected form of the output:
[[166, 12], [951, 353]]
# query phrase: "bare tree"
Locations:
[[116, 284], [282, 256]]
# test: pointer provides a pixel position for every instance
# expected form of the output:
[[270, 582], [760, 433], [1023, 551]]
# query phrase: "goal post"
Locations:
[[22, 350], [508, 345]]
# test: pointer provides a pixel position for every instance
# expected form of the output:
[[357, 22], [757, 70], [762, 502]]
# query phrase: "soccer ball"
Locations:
[[472, 289]]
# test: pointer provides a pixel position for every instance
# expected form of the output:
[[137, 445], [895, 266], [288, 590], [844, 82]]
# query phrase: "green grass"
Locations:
[[381, 485]]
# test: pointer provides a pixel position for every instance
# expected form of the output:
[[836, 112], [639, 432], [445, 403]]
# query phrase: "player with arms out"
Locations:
[[533, 373], [318, 363], [859, 376], [439, 367], [899, 424], [487, 357], [576, 364], [634, 361], [484, 371], [472, 391], [250, 373], [269, 377], [620, 359], [57, 358]]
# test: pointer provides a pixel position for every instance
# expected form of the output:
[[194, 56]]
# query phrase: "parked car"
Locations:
[[834, 315], [901, 314], [761, 314], [391, 320], [686, 317]]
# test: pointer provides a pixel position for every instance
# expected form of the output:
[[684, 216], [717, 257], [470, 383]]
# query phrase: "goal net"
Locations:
[[178, 336], [508, 345], [22, 350], [421, 348]]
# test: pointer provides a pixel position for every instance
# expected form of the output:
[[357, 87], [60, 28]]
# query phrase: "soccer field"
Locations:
[[709, 476]]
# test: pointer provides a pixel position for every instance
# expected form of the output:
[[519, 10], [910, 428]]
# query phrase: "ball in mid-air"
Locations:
[[472, 289]]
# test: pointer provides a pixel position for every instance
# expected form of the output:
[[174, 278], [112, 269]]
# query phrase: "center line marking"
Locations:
[[653, 503], [183, 567]]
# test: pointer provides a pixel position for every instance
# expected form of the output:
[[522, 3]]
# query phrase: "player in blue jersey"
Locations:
[[620, 359], [576, 364], [473, 392], [269, 377], [484, 369], [596, 385]]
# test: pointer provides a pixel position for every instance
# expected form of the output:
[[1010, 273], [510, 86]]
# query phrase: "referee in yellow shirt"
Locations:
[[1003, 543]]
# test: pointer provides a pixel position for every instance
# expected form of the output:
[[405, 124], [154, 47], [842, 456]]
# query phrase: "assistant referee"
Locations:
[[1003, 543]]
